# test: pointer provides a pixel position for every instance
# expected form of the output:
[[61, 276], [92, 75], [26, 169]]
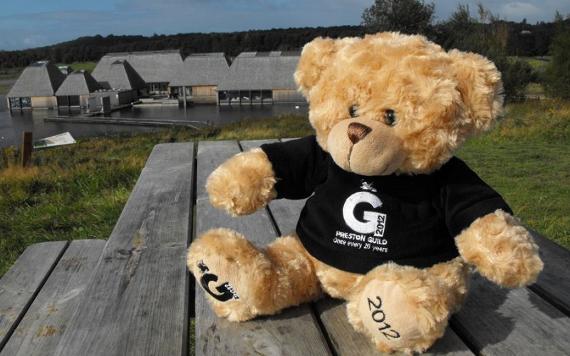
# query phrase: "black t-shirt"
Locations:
[[354, 222]]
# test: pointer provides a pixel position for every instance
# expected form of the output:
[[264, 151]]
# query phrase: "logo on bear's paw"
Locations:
[[226, 290], [378, 316]]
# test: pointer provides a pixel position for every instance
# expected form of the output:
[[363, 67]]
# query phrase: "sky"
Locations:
[[34, 23]]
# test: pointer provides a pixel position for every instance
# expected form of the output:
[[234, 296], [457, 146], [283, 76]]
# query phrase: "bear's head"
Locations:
[[392, 103]]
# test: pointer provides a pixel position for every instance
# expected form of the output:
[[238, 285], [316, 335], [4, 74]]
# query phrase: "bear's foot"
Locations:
[[231, 271], [400, 308], [242, 281]]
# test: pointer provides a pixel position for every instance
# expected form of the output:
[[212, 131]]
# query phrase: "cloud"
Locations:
[[518, 10], [68, 20], [532, 10]]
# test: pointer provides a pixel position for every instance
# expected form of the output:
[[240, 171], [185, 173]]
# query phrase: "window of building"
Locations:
[[20, 103]]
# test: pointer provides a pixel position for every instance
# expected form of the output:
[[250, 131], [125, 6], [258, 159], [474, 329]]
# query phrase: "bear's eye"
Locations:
[[390, 117], [352, 111]]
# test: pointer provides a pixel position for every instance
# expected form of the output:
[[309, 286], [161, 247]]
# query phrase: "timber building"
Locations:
[[260, 78], [36, 87], [157, 68], [76, 90], [199, 77]]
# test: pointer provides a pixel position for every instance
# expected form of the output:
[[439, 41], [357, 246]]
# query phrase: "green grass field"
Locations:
[[78, 192], [530, 166], [10, 73], [537, 63], [86, 66], [4, 88]]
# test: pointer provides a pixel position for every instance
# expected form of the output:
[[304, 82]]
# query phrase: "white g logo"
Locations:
[[367, 226]]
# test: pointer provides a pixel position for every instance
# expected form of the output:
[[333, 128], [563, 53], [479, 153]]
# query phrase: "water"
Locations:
[[12, 125]]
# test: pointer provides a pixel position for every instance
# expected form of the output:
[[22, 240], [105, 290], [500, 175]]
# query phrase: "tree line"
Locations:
[[479, 30], [523, 40], [475, 30], [92, 48]]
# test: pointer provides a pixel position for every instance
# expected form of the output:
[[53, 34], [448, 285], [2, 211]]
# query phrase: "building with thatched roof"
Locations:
[[36, 87], [199, 76], [157, 68], [119, 75], [76, 89], [260, 77]]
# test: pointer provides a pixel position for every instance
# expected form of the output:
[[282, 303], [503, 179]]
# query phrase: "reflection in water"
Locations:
[[12, 126]]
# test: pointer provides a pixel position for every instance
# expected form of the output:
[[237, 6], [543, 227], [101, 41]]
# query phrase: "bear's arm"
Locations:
[[299, 165], [487, 235], [248, 181]]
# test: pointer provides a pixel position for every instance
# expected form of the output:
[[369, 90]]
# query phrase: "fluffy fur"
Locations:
[[502, 250], [247, 191], [440, 99]]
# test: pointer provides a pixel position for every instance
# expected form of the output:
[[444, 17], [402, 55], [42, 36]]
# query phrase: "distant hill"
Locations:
[[524, 40], [94, 47]]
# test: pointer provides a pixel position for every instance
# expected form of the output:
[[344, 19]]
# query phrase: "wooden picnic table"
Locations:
[[132, 295]]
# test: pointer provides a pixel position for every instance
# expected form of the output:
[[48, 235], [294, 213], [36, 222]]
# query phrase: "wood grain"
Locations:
[[499, 321], [20, 285], [292, 332], [553, 283], [41, 328], [137, 300]]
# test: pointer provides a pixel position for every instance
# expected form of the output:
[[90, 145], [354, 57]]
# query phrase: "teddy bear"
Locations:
[[394, 222]]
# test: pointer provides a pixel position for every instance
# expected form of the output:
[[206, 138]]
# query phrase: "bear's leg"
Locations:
[[242, 281], [403, 308], [454, 275]]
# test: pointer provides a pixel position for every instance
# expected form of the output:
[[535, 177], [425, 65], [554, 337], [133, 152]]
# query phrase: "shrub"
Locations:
[[557, 76]]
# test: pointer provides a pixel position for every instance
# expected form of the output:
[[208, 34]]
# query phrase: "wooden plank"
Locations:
[[20, 285], [332, 313], [499, 321], [553, 283], [136, 302], [292, 332], [347, 341], [41, 328]]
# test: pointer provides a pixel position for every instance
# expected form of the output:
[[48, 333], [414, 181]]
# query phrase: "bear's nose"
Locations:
[[357, 131]]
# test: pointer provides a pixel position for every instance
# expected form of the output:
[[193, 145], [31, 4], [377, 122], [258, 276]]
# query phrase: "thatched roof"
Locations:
[[152, 66], [202, 69], [119, 75], [261, 70], [78, 83], [38, 79]]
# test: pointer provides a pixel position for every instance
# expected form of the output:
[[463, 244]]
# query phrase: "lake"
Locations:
[[12, 125]]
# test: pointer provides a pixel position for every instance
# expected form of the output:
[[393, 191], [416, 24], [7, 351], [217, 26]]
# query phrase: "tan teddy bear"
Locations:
[[393, 219]]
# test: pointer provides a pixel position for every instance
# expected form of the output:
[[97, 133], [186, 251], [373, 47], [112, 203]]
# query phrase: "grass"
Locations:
[[78, 192], [10, 73], [534, 89], [86, 66], [4, 88], [537, 63], [527, 159]]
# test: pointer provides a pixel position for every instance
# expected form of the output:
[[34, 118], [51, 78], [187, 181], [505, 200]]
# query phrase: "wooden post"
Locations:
[[27, 147], [184, 95]]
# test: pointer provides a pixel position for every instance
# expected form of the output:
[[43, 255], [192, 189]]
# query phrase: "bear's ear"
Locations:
[[479, 83], [316, 56]]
